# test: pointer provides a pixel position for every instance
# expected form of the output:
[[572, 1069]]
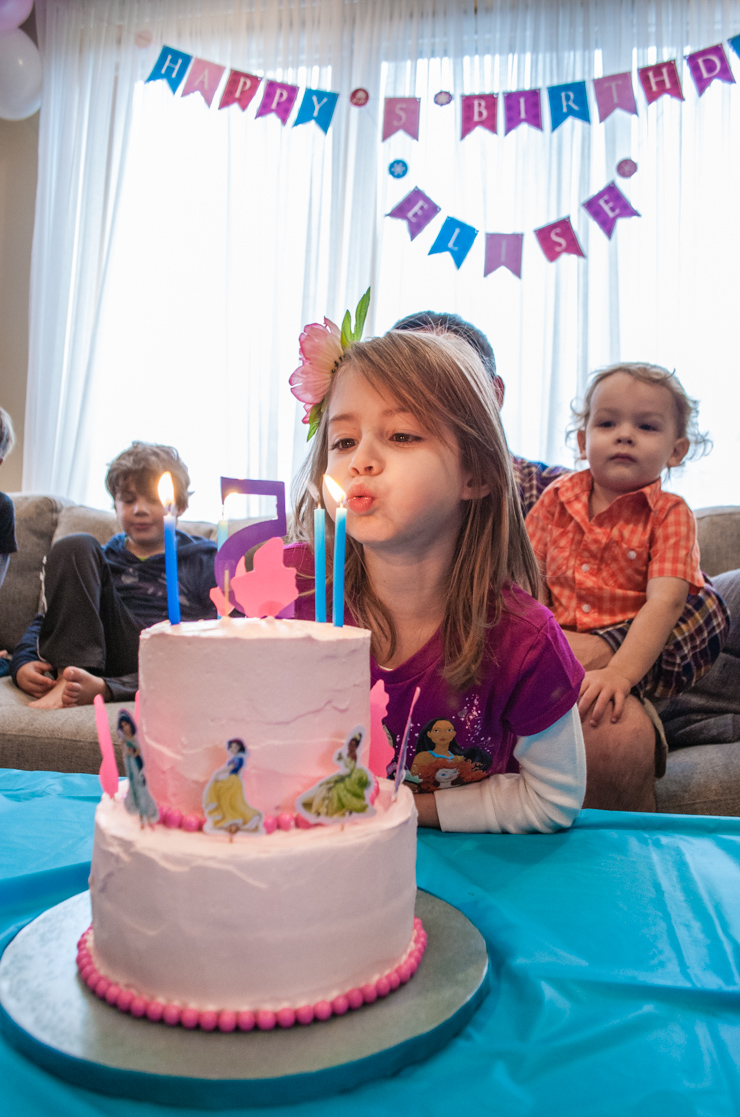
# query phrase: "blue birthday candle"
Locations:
[[167, 497]]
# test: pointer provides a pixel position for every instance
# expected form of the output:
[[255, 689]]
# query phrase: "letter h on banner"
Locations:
[[173, 61], [660, 79]]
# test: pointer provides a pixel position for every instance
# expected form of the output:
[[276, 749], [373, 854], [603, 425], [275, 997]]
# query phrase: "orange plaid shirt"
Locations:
[[597, 570]]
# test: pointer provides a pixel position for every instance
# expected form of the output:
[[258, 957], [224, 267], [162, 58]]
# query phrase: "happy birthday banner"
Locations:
[[184, 72]]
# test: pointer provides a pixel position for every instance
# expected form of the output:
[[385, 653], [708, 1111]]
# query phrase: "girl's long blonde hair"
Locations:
[[441, 382]]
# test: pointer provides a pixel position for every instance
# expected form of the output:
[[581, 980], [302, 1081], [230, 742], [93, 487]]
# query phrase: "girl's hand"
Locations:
[[32, 680], [598, 689]]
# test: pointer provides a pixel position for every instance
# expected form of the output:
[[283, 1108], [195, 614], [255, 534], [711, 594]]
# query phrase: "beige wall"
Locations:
[[19, 141]]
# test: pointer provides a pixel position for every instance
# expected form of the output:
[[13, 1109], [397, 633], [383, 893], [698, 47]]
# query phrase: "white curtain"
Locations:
[[179, 249]]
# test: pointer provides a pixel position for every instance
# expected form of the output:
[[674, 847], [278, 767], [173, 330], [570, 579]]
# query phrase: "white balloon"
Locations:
[[20, 76]]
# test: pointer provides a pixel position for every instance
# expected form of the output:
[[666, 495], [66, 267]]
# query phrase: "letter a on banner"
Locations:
[[239, 90], [568, 100], [558, 239], [278, 98], [478, 111], [417, 210], [614, 92], [523, 107], [660, 79], [709, 65], [203, 78], [401, 114], [170, 66], [456, 238], [504, 250], [607, 207], [317, 105]]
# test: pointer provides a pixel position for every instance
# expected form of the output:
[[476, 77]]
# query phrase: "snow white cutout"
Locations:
[[138, 798], [226, 809], [346, 795]]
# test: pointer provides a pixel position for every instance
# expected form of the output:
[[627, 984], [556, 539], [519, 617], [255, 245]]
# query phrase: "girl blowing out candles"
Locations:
[[440, 569]]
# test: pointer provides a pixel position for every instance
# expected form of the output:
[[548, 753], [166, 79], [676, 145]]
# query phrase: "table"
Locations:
[[614, 949]]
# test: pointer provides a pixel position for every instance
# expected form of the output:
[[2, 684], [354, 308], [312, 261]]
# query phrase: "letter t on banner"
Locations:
[[504, 250], [607, 207], [558, 239], [170, 66], [709, 65], [417, 210], [456, 238], [614, 92]]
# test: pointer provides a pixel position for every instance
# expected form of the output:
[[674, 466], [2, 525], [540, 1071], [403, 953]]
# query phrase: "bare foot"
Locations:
[[80, 687], [52, 700]]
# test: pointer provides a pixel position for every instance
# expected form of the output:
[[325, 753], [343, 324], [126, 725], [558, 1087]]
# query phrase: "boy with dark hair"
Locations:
[[98, 599]]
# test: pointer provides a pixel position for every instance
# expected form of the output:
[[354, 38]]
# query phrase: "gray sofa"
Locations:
[[701, 779]]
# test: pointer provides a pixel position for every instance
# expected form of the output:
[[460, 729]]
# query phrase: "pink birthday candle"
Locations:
[[109, 768]]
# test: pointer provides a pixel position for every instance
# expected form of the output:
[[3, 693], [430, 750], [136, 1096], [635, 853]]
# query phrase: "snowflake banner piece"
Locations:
[[401, 114], [523, 107], [568, 100], [614, 92], [559, 239], [709, 65], [607, 207], [171, 67], [478, 112], [399, 168], [504, 250], [317, 105], [203, 78], [278, 98], [456, 238], [417, 210], [239, 90], [660, 79]]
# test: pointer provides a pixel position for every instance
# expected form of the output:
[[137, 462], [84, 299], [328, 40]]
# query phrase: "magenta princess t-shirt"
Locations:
[[530, 679]]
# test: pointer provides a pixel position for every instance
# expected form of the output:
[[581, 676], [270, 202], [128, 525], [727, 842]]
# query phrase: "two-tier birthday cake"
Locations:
[[278, 884]]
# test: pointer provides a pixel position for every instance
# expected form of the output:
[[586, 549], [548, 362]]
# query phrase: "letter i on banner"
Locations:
[[504, 250], [239, 90], [709, 65], [522, 107], [203, 78], [558, 239], [478, 111], [171, 67], [660, 79]]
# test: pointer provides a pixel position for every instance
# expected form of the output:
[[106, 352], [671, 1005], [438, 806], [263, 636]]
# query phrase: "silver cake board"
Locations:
[[50, 1015]]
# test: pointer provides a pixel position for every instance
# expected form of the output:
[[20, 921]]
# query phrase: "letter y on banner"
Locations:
[[558, 239], [170, 66], [317, 105], [417, 210]]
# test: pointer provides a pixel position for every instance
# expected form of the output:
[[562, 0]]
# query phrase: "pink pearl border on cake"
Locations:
[[174, 819], [265, 1020]]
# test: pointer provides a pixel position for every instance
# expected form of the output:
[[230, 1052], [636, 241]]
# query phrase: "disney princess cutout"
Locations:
[[346, 795], [226, 809], [138, 798]]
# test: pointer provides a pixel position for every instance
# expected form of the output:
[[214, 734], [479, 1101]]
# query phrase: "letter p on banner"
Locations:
[[559, 239]]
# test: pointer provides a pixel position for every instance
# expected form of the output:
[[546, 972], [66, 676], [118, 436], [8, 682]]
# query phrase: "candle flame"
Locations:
[[337, 492], [166, 490]]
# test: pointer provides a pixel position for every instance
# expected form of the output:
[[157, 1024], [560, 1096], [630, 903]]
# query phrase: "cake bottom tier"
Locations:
[[263, 923]]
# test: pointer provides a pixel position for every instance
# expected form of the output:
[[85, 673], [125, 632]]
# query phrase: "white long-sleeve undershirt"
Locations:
[[546, 793]]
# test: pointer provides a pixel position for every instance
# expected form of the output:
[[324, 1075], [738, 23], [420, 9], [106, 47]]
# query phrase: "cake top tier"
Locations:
[[254, 628]]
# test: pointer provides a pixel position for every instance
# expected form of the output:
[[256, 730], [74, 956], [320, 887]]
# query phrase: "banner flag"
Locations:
[[456, 238], [558, 239], [504, 250], [614, 92], [239, 90], [317, 105], [660, 79], [203, 78], [709, 65], [173, 61], [478, 111], [417, 210], [735, 44], [607, 207], [568, 100], [522, 107], [401, 114], [278, 98]]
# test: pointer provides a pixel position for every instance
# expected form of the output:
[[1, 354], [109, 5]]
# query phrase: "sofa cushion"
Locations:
[[719, 538], [35, 524], [78, 517]]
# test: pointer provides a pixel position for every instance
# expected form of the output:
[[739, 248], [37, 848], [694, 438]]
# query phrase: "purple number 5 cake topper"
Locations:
[[237, 545]]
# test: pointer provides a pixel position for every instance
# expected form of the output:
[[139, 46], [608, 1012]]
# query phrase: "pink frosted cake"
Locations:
[[297, 899]]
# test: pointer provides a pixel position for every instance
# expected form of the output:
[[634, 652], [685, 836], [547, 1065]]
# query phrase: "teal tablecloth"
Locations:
[[615, 956]]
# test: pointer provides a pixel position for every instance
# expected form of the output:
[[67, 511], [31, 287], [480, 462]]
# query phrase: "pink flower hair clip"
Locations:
[[322, 348]]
